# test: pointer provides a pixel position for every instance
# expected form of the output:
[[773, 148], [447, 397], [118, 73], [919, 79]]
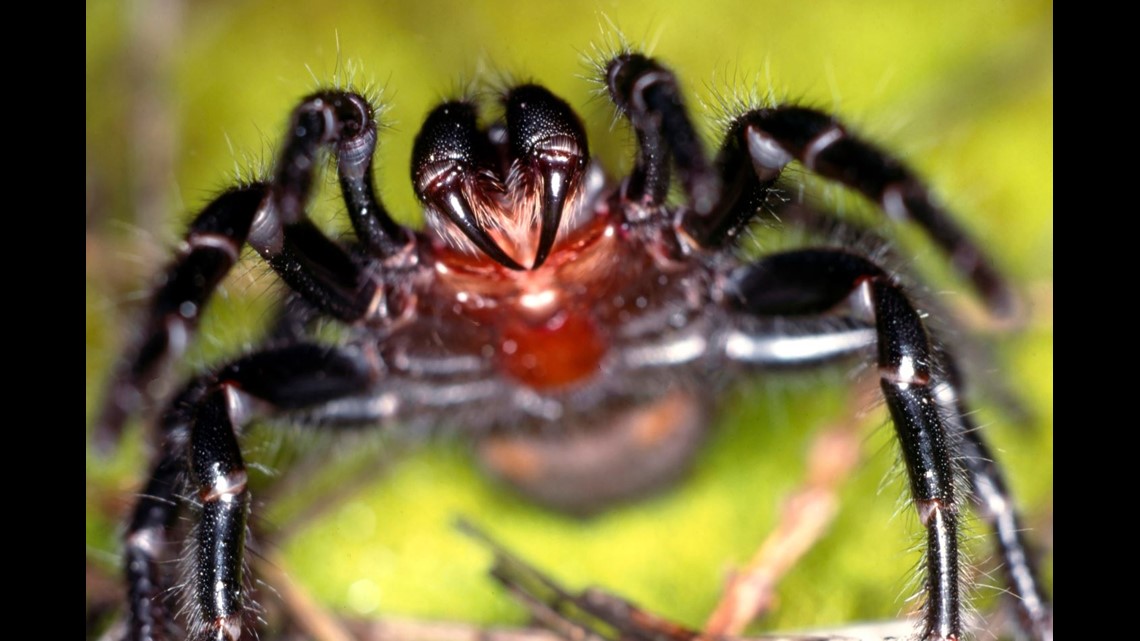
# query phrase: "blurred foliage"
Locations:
[[180, 96]]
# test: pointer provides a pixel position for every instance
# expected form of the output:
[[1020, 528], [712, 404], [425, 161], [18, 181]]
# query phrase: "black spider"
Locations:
[[544, 295]]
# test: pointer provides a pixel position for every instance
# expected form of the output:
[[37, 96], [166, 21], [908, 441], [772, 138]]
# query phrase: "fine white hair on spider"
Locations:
[[524, 254]]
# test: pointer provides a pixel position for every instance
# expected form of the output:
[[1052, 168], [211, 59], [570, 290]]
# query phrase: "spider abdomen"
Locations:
[[597, 459]]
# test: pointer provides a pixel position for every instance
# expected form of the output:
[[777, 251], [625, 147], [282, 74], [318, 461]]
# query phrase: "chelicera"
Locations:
[[546, 307]]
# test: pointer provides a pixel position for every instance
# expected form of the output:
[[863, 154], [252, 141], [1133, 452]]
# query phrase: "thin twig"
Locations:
[[806, 516]]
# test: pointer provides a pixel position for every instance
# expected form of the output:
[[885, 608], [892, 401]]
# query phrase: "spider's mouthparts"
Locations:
[[460, 170]]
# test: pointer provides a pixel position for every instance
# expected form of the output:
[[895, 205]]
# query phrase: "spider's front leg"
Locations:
[[200, 436], [726, 196], [939, 443], [760, 143], [271, 217]]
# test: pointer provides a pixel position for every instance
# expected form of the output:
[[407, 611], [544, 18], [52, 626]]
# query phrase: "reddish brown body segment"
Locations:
[[548, 323], [565, 348]]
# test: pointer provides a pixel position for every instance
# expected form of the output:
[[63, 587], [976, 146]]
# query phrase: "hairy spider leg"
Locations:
[[813, 281], [211, 248], [271, 217], [994, 502], [824, 145], [145, 547], [920, 383], [200, 436]]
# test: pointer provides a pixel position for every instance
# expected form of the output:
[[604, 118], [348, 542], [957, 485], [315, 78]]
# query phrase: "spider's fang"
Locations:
[[449, 199], [559, 172]]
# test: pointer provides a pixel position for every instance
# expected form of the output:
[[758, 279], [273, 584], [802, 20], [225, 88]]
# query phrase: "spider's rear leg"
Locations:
[[993, 501], [201, 438], [814, 281], [271, 217], [762, 142], [211, 248], [937, 436]]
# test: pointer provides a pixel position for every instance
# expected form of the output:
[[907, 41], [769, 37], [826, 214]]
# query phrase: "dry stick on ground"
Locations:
[[807, 513]]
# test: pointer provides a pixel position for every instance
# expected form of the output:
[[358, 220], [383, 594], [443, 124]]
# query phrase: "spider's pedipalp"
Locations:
[[374, 227], [650, 97], [317, 268]]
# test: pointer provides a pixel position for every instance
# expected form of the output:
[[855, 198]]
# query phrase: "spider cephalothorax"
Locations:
[[543, 298]]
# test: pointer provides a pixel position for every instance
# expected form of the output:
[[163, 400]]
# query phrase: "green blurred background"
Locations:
[[180, 96]]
